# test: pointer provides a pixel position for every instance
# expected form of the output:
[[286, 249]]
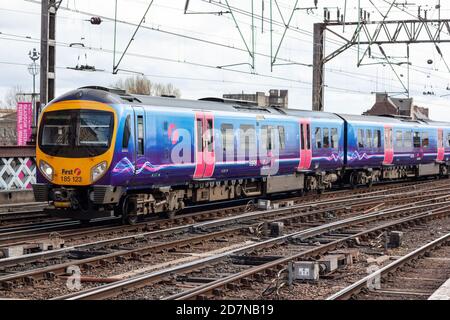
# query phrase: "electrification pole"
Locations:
[[48, 46]]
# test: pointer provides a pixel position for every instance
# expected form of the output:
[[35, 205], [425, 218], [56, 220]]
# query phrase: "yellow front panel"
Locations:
[[77, 171]]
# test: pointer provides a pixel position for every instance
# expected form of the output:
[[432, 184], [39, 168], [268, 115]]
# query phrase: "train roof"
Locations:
[[119, 96], [359, 118]]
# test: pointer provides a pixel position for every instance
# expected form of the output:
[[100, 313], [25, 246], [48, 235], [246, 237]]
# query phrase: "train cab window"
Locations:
[[334, 138], [140, 123], [55, 130], [398, 139], [326, 138], [126, 133], [407, 139], [227, 141], [246, 140], [282, 137], [369, 138], [360, 138], [416, 139], [425, 140], [318, 137]]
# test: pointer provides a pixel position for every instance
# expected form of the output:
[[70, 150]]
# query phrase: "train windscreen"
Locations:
[[76, 133]]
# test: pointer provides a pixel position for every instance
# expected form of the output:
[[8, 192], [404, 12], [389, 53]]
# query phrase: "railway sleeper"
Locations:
[[51, 276], [7, 285]]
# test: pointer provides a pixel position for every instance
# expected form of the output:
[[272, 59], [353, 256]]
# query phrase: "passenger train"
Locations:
[[103, 152]]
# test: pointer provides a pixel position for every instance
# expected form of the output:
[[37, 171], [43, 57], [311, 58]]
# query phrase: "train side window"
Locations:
[[282, 137], [227, 141], [140, 123], [398, 139], [302, 137], [416, 139], [369, 138], [247, 139], [407, 139], [126, 133], [308, 136], [318, 137], [377, 139], [448, 139], [425, 140], [210, 135], [199, 135], [326, 137], [334, 138], [360, 138], [266, 137]]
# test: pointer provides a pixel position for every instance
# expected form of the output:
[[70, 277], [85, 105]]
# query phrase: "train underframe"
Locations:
[[108, 201]]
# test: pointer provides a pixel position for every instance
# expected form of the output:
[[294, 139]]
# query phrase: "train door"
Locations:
[[139, 134], [204, 145], [440, 145], [388, 146], [305, 145]]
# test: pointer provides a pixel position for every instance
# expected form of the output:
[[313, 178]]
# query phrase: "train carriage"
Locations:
[[103, 152]]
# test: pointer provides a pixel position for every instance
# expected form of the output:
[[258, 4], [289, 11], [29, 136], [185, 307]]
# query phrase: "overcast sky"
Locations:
[[187, 49]]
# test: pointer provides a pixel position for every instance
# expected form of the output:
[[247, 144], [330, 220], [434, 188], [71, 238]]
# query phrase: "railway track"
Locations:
[[73, 232], [415, 275], [153, 249], [22, 213], [343, 205], [305, 217], [164, 281]]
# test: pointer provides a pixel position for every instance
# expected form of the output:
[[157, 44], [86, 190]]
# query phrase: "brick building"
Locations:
[[8, 127], [278, 98], [385, 105]]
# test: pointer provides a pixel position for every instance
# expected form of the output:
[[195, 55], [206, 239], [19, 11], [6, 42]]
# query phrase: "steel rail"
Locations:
[[24, 235], [362, 284], [141, 280], [209, 287], [201, 226], [198, 227]]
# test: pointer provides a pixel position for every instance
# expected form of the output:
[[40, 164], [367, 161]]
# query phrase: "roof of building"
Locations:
[[12, 116]]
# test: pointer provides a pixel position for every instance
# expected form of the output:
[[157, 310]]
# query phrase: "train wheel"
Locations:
[[354, 180], [132, 220], [129, 211], [444, 172], [238, 191]]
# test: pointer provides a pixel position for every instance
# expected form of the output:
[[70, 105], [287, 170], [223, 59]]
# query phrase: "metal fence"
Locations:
[[17, 168]]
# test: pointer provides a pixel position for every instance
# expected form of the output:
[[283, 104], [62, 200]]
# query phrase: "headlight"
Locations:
[[46, 169], [98, 171]]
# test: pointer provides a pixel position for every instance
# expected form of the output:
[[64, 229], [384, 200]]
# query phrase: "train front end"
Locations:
[[74, 151]]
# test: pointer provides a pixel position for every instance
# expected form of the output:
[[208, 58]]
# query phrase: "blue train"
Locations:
[[103, 152]]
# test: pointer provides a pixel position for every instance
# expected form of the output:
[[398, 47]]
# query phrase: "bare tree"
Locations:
[[13, 96], [141, 85]]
